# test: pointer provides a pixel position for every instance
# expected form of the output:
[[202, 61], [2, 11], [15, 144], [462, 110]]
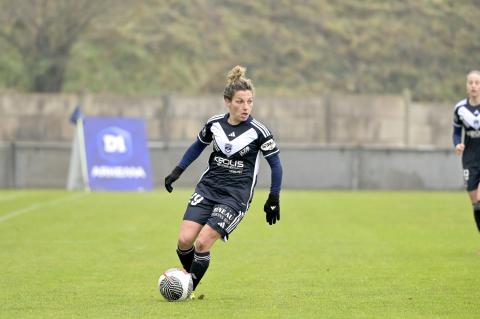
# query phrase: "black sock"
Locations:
[[476, 214], [186, 257], [199, 267]]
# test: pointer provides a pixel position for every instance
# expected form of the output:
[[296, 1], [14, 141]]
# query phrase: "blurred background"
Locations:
[[359, 94]]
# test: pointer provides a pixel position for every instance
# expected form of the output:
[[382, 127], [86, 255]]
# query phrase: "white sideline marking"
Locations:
[[33, 207]]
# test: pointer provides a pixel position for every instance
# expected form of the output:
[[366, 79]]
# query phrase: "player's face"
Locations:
[[240, 106], [473, 85]]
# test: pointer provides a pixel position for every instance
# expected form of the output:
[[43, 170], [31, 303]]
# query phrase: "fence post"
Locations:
[[407, 100], [355, 167], [166, 119], [12, 176], [328, 113]]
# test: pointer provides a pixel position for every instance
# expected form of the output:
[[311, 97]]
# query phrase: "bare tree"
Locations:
[[44, 32]]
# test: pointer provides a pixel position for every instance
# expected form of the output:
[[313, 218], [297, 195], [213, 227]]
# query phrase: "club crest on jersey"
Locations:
[[268, 145], [228, 147]]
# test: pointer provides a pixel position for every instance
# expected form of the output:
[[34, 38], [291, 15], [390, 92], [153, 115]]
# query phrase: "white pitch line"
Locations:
[[33, 207]]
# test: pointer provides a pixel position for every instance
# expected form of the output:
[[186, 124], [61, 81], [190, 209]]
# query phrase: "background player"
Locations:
[[467, 117], [225, 190]]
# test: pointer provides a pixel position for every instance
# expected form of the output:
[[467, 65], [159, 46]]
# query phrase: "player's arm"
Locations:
[[457, 139], [272, 205], [192, 153], [457, 134]]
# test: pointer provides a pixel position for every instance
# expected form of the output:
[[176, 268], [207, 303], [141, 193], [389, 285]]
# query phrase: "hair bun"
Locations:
[[236, 74]]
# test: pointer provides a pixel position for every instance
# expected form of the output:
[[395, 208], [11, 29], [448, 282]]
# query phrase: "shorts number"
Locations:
[[195, 199], [466, 175]]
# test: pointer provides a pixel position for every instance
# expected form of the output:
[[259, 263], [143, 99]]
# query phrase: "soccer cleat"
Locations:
[[192, 296]]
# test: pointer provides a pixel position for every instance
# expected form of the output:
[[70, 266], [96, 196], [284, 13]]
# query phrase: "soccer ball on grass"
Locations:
[[175, 284]]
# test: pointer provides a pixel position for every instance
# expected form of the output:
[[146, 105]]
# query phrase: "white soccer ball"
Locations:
[[175, 284]]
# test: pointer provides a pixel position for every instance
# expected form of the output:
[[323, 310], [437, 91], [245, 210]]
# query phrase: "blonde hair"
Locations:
[[236, 81], [473, 72]]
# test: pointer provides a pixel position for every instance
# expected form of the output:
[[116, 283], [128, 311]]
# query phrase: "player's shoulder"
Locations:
[[260, 127], [461, 103], [216, 118]]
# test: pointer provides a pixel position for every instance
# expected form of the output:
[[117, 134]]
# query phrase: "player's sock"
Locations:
[[199, 266], [476, 214], [186, 257]]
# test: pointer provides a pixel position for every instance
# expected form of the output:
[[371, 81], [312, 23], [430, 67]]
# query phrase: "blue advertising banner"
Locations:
[[116, 154]]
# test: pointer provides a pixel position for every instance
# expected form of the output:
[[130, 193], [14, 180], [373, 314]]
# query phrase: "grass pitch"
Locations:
[[333, 255]]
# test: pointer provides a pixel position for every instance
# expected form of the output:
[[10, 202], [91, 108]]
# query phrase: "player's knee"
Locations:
[[185, 242], [476, 207], [202, 245], [205, 242]]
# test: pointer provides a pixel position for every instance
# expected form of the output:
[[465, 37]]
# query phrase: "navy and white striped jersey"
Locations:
[[467, 117], [234, 162]]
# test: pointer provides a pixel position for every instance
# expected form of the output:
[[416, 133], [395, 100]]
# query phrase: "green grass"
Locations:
[[333, 255]]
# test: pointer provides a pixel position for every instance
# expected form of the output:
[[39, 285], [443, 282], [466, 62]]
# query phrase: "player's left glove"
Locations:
[[272, 209], [174, 175]]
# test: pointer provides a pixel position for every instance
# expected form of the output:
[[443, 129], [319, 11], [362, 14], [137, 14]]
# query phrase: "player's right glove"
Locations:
[[272, 209], [174, 175]]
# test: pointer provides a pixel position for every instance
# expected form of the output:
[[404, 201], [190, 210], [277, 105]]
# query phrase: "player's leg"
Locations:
[[196, 215], [189, 231], [476, 206], [472, 179], [222, 222], [201, 260]]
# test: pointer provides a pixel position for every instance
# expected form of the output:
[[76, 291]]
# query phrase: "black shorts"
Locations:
[[471, 177], [220, 217]]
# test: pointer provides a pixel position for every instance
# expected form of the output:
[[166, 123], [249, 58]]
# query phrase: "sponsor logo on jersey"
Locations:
[[233, 166], [232, 134], [244, 151], [268, 145], [473, 134], [228, 163], [215, 146]]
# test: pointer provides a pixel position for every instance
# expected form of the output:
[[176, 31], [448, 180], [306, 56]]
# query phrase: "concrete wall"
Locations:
[[379, 120], [40, 165], [332, 141]]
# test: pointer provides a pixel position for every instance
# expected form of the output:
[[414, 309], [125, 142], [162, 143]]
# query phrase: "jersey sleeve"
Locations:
[[268, 145], [456, 118], [205, 135]]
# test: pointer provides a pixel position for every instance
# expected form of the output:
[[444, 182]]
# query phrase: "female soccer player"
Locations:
[[467, 116], [224, 191]]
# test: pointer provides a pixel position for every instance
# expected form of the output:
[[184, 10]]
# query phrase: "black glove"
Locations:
[[174, 175], [272, 209]]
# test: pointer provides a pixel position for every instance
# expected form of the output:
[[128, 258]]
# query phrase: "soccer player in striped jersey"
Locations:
[[225, 190], [467, 117]]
